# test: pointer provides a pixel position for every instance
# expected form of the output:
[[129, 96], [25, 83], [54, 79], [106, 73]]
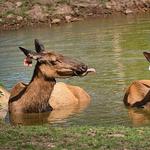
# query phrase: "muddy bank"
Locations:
[[15, 14]]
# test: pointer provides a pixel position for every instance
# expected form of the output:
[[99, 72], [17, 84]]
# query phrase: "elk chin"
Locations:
[[89, 70], [64, 73]]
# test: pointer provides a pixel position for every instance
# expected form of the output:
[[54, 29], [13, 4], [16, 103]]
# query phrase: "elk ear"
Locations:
[[25, 51], [147, 55], [30, 53], [39, 47]]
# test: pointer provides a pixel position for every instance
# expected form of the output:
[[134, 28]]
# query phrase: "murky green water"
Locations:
[[113, 46]]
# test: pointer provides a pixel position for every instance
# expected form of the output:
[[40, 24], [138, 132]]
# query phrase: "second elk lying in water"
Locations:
[[43, 94], [138, 93]]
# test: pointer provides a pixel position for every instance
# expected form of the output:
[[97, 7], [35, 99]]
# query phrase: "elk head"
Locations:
[[53, 65]]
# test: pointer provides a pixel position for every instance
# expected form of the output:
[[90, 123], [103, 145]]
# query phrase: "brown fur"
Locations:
[[73, 96], [138, 94], [3, 102], [73, 101]]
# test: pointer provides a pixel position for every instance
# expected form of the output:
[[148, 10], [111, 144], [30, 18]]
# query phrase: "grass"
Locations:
[[73, 138]]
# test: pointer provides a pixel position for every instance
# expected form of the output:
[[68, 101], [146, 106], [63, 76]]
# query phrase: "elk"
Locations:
[[43, 94], [4, 97], [138, 93]]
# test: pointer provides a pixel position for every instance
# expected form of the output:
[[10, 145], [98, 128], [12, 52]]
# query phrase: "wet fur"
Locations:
[[65, 100], [138, 94], [33, 97]]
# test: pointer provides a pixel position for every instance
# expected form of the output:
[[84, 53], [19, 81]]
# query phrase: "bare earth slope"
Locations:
[[15, 14]]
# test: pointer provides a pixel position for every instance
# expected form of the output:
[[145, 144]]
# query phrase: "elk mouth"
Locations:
[[82, 74]]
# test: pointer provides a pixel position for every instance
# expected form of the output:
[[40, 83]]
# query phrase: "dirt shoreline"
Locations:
[[16, 14]]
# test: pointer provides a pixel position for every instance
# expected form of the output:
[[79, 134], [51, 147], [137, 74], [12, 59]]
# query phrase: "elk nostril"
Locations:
[[80, 69], [84, 67]]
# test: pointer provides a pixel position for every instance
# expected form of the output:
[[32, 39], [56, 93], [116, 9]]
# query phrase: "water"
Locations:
[[112, 45]]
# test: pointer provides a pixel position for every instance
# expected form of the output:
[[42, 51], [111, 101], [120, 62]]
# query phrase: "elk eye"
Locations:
[[54, 62]]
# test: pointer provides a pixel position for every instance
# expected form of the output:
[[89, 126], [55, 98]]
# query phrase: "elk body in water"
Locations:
[[43, 94], [138, 93]]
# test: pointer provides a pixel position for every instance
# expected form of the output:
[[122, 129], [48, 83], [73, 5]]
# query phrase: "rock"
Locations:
[[85, 3], [117, 5], [46, 14], [56, 21], [18, 4], [68, 18], [45, 2], [9, 6], [108, 5], [19, 18], [45, 8], [76, 19], [36, 13], [63, 10], [128, 11], [10, 16]]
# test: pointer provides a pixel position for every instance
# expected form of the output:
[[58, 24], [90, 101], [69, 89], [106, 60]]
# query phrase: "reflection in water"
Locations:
[[55, 116], [117, 54], [139, 117]]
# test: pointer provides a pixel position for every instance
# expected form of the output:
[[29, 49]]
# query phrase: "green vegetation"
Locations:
[[1, 84], [76, 137]]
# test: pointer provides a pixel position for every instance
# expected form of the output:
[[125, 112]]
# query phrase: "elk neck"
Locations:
[[35, 96], [40, 86], [38, 75]]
